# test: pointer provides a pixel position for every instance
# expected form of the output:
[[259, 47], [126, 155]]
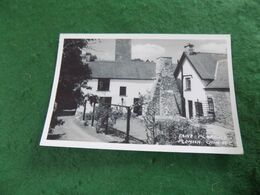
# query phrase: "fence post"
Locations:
[[85, 102], [128, 124], [107, 118], [93, 115]]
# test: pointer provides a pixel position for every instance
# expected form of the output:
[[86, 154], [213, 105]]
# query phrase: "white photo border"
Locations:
[[144, 147]]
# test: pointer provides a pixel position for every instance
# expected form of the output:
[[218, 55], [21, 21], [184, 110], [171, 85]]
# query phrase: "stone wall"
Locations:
[[155, 103], [222, 107], [166, 97]]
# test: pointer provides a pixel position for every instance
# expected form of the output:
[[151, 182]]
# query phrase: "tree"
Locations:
[[73, 74]]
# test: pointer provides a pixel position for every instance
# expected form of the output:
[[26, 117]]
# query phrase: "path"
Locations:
[[221, 136], [76, 131], [137, 128]]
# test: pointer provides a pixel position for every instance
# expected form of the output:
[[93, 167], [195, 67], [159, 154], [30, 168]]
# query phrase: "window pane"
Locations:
[[122, 91], [188, 83], [103, 84], [211, 105]]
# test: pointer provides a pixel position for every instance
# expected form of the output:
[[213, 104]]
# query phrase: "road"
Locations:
[[74, 130]]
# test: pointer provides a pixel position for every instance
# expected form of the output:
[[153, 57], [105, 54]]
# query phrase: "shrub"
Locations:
[[181, 131]]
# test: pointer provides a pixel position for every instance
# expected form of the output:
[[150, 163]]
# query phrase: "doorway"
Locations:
[[190, 108]]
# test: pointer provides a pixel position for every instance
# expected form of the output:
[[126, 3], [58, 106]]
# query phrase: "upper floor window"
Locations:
[[188, 84], [103, 84], [122, 91]]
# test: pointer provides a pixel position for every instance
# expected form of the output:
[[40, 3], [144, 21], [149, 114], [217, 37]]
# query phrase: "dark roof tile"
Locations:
[[123, 70], [205, 63], [221, 76]]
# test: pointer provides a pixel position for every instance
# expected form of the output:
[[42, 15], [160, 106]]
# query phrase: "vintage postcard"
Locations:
[[144, 92]]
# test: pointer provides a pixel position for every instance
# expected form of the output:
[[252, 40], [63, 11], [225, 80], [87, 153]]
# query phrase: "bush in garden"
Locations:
[[101, 116], [181, 131], [205, 120], [106, 117]]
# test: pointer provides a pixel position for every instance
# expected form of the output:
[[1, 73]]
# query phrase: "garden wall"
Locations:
[[222, 107]]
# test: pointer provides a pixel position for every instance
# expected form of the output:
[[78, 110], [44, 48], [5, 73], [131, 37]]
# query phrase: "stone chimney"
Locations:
[[162, 63], [189, 48], [123, 50]]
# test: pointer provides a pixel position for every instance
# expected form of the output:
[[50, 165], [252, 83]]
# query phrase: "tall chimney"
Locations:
[[123, 50], [162, 63], [189, 48]]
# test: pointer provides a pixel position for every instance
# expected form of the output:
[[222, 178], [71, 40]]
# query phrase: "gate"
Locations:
[[107, 115], [115, 120]]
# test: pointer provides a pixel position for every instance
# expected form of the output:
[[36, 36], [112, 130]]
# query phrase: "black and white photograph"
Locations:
[[144, 92]]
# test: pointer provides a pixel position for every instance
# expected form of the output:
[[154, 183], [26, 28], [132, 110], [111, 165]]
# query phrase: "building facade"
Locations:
[[203, 82], [121, 81]]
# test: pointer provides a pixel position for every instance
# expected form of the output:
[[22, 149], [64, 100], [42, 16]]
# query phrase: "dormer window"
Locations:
[[188, 84]]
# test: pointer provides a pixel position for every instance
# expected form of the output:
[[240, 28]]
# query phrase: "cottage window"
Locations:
[[103, 84], [199, 109], [210, 105], [122, 91], [211, 111], [188, 84]]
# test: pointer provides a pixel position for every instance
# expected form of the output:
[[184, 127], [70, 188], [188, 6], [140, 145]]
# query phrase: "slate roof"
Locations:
[[123, 70], [203, 63], [221, 77]]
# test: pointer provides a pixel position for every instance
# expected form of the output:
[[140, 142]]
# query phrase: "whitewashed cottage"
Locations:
[[121, 81], [203, 82]]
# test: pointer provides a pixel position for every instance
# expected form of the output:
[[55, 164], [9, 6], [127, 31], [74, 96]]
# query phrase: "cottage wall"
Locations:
[[222, 107], [197, 92], [133, 88]]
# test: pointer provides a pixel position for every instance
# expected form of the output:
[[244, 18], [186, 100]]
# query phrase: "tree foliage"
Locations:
[[73, 74]]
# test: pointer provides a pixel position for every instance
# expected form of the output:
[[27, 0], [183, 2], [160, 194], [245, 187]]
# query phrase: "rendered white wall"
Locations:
[[133, 88], [197, 92]]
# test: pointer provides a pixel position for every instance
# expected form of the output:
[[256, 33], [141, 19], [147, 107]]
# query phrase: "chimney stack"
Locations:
[[123, 50], [189, 48], [162, 63]]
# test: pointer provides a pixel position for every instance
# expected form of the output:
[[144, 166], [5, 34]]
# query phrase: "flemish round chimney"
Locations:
[[123, 50]]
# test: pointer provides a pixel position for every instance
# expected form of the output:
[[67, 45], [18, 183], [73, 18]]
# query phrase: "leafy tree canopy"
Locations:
[[72, 74]]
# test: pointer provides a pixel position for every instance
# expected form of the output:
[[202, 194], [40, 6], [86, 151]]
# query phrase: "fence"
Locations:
[[115, 120]]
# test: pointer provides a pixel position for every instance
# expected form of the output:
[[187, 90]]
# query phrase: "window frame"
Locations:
[[102, 81], [211, 108], [188, 84], [120, 88]]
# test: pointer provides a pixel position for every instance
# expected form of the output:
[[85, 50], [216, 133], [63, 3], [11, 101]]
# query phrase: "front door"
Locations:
[[190, 109]]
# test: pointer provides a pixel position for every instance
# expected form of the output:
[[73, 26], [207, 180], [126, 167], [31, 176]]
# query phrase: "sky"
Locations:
[[150, 49]]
